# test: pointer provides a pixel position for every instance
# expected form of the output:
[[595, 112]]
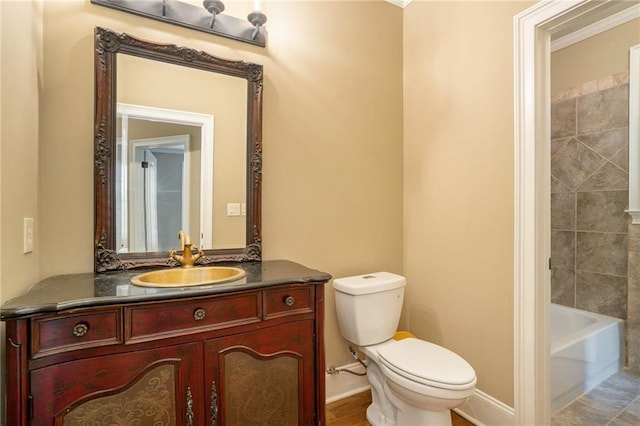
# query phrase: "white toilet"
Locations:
[[413, 382]]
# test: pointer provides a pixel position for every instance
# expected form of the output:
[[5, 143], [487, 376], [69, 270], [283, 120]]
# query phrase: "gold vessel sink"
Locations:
[[188, 277]]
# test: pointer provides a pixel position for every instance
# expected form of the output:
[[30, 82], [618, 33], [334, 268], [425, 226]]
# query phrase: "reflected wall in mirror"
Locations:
[[177, 147]]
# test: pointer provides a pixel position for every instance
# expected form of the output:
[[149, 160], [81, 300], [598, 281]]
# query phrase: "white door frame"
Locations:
[[533, 30]]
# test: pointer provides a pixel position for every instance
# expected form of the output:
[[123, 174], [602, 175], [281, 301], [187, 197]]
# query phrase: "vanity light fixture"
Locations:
[[214, 7], [257, 18], [207, 17]]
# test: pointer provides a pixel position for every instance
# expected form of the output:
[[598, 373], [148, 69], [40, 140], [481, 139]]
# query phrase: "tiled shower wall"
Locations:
[[589, 196]]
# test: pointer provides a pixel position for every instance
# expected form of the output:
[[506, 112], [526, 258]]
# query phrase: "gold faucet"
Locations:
[[187, 259]]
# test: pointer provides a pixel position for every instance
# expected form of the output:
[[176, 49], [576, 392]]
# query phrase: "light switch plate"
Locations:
[[233, 209], [28, 235]]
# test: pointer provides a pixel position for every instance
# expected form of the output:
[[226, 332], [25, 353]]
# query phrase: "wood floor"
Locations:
[[352, 412]]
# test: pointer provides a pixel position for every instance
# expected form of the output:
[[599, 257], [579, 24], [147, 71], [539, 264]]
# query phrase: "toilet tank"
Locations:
[[369, 306]]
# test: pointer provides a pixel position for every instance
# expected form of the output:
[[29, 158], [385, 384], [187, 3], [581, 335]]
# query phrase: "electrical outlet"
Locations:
[[28, 235]]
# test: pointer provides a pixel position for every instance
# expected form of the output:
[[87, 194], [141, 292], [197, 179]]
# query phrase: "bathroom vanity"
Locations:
[[95, 349], [92, 346]]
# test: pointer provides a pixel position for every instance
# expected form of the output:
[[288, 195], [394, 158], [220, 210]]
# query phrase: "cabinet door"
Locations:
[[261, 378], [157, 386]]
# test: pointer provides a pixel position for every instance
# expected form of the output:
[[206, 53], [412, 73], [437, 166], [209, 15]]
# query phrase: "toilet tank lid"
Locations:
[[369, 283]]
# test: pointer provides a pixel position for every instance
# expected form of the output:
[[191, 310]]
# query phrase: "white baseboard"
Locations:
[[343, 385], [481, 409]]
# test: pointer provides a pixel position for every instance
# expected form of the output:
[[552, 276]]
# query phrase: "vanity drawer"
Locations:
[[160, 320], [288, 300], [67, 332]]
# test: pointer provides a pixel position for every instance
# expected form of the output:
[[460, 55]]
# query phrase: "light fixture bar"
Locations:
[[194, 17]]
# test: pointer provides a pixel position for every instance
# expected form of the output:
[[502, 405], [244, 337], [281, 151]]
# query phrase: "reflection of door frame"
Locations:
[[533, 29], [134, 177], [205, 122], [142, 232], [634, 134]]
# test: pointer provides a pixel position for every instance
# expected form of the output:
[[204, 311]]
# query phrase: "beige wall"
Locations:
[[458, 182], [1, 102], [602, 55], [21, 60], [333, 142], [332, 134], [2, 326], [21, 29]]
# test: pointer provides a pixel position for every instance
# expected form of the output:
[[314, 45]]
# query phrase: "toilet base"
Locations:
[[386, 409], [380, 412], [376, 418], [422, 418], [431, 418], [408, 415]]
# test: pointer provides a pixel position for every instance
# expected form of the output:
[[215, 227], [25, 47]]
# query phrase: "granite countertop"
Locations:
[[91, 289]]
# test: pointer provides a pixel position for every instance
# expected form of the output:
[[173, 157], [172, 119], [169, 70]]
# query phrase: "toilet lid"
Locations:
[[427, 363]]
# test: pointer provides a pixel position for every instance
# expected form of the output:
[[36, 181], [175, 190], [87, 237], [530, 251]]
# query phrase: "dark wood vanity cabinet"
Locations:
[[251, 357]]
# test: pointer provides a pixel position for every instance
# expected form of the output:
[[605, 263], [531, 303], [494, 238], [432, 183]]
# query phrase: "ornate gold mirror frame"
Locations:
[[108, 45]]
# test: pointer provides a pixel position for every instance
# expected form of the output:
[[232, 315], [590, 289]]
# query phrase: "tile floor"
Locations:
[[615, 402]]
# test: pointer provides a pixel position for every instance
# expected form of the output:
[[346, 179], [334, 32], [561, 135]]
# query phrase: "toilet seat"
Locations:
[[425, 363]]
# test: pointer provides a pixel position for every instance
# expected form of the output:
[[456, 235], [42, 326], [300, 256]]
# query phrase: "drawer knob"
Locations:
[[199, 314], [80, 329], [289, 301]]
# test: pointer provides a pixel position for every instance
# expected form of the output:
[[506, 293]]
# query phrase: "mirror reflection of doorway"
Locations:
[[158, 192], [147, 126]]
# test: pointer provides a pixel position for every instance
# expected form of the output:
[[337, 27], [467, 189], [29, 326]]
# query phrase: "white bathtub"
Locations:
[[586, 348]]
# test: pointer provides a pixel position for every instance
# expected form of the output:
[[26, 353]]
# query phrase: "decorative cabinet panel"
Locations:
[[262, 378], [249, 357], [154, 386]]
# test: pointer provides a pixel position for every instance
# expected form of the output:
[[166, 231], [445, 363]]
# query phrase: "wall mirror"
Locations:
[[178, 146]]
